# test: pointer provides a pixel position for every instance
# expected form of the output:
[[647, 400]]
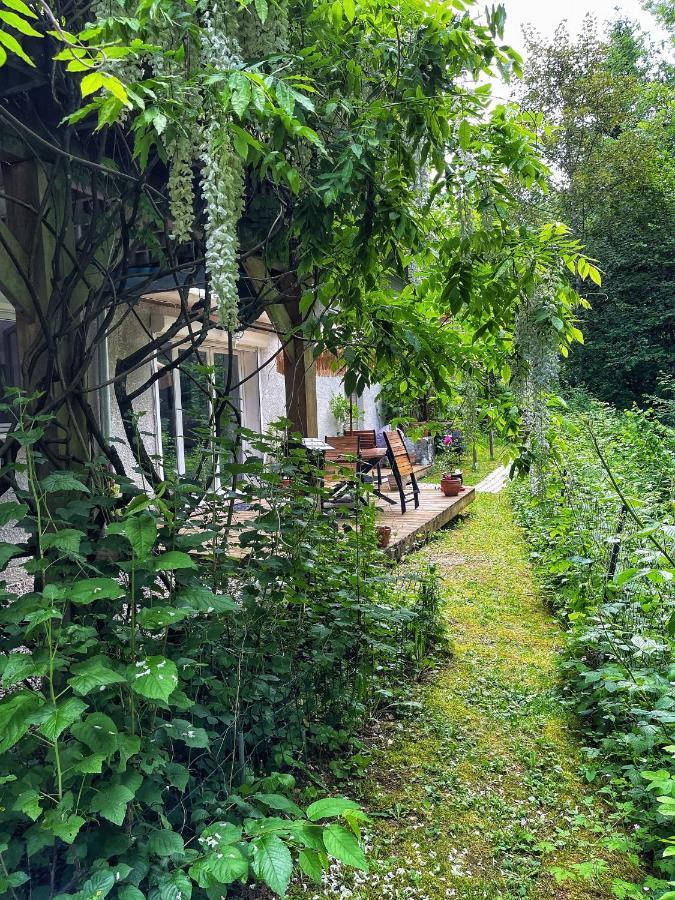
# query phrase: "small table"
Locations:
[[371, 459]]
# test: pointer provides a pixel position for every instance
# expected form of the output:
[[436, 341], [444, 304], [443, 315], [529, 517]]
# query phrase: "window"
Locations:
[[185, 404]]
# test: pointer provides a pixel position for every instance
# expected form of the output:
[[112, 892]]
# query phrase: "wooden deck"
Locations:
[[435, 511], [407, 531]]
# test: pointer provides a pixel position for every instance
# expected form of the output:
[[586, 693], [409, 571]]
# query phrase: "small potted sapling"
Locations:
[[345, 412]]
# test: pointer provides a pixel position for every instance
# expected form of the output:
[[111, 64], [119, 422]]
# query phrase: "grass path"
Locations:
[[479, 793]]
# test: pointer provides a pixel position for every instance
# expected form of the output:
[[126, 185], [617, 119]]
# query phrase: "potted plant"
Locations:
[[451, 485], [345, 412], [383, 535]]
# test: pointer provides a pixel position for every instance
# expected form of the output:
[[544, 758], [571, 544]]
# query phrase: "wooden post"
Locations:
[[283, 307]]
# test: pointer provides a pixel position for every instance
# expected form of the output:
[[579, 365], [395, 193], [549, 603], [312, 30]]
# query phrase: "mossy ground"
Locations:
[[478, 794]]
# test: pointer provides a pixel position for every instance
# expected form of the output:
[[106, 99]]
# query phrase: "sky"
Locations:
[[545, 15]]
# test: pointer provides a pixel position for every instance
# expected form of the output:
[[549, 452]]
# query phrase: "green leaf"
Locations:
[[112, 803], [63, 826], [189, 734], [129, 892], [88, 590], [29, 803], [328, 807], [66, 539], [165, 843], [91, 83], [241, 95], [62, 481], [228, 864], [342, 845], [175, 886], [98, 732], [159, 617], [55, 719], [15, 712], [350, 10], [272, 862], [174, 559], [20, 7], [97, 885], [201, 599], [310, 863], [7, 551], [93, 674], [15, 21], [464, 134], [12, 512], [91, 765], [141, 532], [278, 801], [154, 677], [20, 666], [262, 9], [177, 775]]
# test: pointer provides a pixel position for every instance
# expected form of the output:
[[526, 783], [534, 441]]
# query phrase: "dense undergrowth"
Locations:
[[167, 673], [599, 516]]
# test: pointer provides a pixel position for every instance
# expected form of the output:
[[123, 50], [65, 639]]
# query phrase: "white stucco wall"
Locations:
[[124, 340], [272, 386]]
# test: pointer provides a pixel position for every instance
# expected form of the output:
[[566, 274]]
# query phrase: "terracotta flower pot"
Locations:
[[383, 535], [451, 486]]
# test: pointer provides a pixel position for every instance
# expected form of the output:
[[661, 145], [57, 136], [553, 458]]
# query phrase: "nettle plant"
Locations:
[[118, 734], [171, 668]]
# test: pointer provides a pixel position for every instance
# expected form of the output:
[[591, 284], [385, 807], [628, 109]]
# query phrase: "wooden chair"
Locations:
[[344, 457], [367, 436], [402, 469], [367, 441]]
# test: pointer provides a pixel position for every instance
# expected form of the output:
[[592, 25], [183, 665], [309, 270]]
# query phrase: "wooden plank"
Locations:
[[434, 512]]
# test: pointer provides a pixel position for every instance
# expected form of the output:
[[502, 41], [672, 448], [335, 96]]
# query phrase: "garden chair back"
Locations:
[[367, 436], [402, 469]]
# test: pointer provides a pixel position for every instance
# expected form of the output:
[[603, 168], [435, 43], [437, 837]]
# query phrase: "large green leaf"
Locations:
[[87, 590], [281, 803], [93, 674], [67, 540], [29, 803], [15, 712], [175, 886], [272, 862], [63, 481], [227, 864], [98, 732], [182, 730], [311, 863], [329, 807], [66, 826], [53, 720], [20, 666], [112, 803], [158, 617], [165, 843], [141, 532], [342, 845], [155, 677], [174, 559], [7, 551], [201, 599], [12, 512]]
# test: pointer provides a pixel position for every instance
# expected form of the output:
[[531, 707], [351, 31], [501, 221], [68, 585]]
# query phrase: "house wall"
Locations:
[[273, 394], [129, 336]]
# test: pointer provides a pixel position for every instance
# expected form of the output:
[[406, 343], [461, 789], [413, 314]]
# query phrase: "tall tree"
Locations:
[[609, 105]]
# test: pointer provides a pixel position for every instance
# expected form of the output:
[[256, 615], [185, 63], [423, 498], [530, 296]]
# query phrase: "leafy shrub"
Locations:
[[602, 535], [169, 669]]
